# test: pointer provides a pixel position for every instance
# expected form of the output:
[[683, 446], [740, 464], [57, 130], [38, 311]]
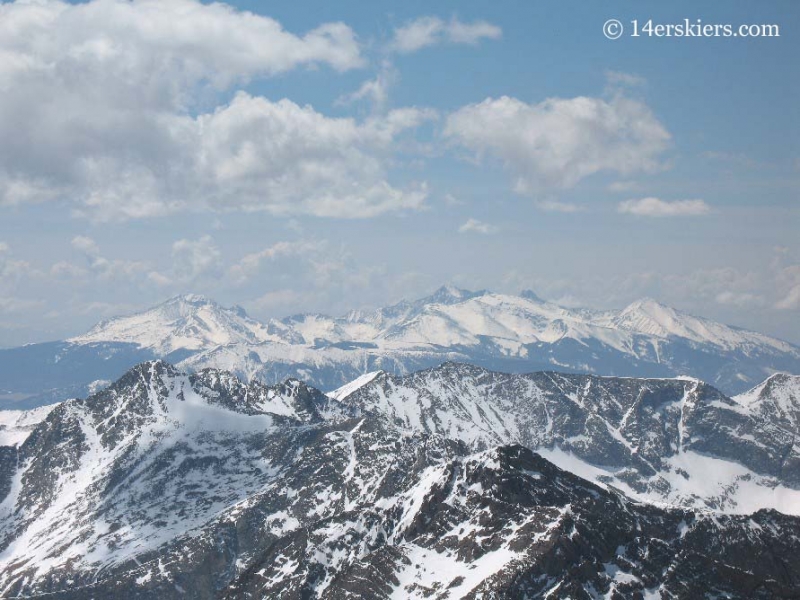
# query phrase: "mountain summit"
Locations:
[[187, 322]]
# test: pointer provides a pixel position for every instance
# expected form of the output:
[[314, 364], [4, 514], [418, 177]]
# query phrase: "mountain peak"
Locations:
[[531, 295], [647, 304], [184, 322], [192, 302], [197, 299], [450, 294], [651, 317]]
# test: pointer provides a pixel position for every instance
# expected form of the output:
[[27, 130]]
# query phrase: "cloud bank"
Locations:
[[556, 143], [655, 207], [429, 31], [103, 107]]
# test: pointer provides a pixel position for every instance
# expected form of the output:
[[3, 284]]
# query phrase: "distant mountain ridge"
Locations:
[[190, 322], [498, 331]]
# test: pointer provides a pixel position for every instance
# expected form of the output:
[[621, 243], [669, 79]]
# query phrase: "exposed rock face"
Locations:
[[168, 485], [677, 441]]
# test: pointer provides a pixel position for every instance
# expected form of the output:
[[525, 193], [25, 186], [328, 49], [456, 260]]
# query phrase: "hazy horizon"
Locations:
[[331, 156]]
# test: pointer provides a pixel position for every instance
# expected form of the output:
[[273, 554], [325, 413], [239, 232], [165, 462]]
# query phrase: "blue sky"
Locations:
[[319, 156]]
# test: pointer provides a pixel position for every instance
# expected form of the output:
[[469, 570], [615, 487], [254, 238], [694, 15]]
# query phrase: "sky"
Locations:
[[321, 156]]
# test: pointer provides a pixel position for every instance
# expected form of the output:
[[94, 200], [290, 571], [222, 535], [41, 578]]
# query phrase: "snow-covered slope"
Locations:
[[188, 322], [512, 333], [668, 441], [349, 388], [498, 331], [453, 317], [652, 318], [16, 425], [777, 400], [170, 485]]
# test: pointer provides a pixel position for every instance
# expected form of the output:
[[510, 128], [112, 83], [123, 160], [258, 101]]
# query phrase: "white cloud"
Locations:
[[286, 159], [654, 207], [64, 269], [458, 32], [375, 90], [733, 159], [17, 305], [277, 301], [249, 265], [621, 79], [791, 301], [558, 142], [85, 245], [557, 206], [787, 277], [192, 259], [624, 186], [739, 299], [297, 275], [194, 262], [476, 226], [428, 31], [142, 42], [99, 101], [11, 269], [252, 155], [100, 266]]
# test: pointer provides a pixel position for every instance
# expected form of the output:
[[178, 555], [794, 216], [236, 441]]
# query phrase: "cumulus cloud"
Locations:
[[11, 269], [98, 109], [739, 299], [557, 206], [558, 142], [476, 226], [429, 31], [249, 265], [303, 274], [192, 259], [621, 79], [289, 159], [143, 41], [101, 267], [86, 245], [192, 262], [374, 90], [277, 300], [623, 186], [788, 279], [791, 301], [655, 207], [252, 155]]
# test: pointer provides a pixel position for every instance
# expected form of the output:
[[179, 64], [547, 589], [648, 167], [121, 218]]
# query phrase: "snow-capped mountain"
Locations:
[[497, 331], [190, 322], [17, 425], [666, 441], [174, 485]]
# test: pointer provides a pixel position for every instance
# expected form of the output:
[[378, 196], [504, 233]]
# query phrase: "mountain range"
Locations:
[[507, 333], [453, 482]]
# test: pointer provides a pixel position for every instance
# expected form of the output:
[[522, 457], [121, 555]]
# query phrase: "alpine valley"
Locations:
[[514, 334]]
